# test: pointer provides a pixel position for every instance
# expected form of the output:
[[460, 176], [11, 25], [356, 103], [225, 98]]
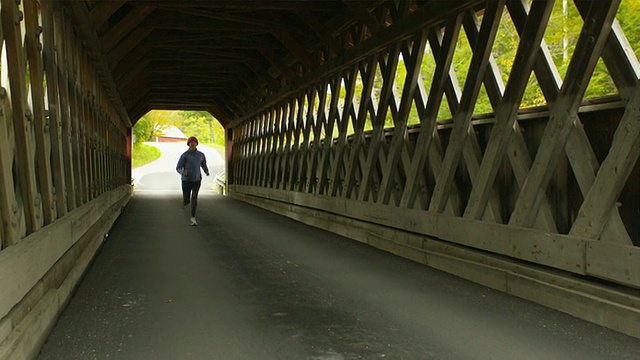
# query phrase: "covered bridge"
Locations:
[[469, 136]]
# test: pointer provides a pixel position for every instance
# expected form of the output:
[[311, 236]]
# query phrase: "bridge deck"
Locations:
[[249, 284]]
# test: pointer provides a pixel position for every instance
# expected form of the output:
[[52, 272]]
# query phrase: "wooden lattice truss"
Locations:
[[62, 141], [487, 183]]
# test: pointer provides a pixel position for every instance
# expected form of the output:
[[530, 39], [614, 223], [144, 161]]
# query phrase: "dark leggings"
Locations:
[[190, 189]]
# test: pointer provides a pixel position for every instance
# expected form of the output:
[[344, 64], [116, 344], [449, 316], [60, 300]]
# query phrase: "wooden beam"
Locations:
[[564, 112], [296, 48], [81, 16], [424, 17], [612, 175], [461, 120], [124, 27], [41, 125], [137, 39], [363, 14], [368, 73], [320, 30], [277, 62], [389, 67], [8, 207], [444, 58], [103, 11], [413, 62], [22, 116], [506, 113], [51, 64]]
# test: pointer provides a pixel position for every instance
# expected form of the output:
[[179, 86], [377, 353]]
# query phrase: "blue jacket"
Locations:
[[189, 165]]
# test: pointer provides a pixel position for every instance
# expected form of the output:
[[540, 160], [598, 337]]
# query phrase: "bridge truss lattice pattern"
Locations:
[[391, 134]]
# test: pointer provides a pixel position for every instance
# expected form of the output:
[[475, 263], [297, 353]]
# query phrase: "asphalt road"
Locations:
[[249, 284]]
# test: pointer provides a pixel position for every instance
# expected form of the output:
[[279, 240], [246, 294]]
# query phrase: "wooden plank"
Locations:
[[23, 265], [537, 246], [276, 61], [549, 81], [364, 16], [343, 122], [521, 161], [506, 113], [290, 142], [613, 174], [269, 148], [51, 64], [413, 64], [285, 140], [316, 147], [424, 17], [41, 126], [308, 124], [278, 136], [296, 48], [462, 118], [624, 70], [397, 157], [103, 11], [389, 66], [624, 269], [325, 161], [247, 158], [21, 115], [124, 27], [446, 46], [618, 56], [137, 41], [564, 111], [9, 234], [259, 149], [472, 157], [295, 146], [80, 14], [264, 148], [75, 113], [280, 130], [319, 29], [494, 88], [65, 111], [368, 73]]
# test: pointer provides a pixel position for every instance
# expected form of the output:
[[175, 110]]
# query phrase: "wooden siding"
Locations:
[[555, 185]]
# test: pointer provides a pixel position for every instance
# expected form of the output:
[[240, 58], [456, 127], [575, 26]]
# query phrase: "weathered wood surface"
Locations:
[[346, 122], [63, 168], [527, 184]]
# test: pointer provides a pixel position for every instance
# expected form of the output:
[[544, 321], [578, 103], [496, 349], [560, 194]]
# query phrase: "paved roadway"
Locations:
[[249, 284]]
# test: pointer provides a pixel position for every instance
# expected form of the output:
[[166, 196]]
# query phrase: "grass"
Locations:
[[144, 154]]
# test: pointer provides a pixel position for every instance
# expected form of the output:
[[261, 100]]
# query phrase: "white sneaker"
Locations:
[[193, 221]]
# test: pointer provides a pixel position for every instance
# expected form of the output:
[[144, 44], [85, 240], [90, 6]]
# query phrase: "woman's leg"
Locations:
[[186, 192], [195, 188]]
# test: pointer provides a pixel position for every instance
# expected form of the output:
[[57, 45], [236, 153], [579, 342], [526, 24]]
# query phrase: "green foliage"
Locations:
[[192, 123], [142, 130], [143, 154], [629, 18], [153, 122], [202, 125]]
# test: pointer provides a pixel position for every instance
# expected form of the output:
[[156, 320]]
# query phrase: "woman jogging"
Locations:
[[189, 166]]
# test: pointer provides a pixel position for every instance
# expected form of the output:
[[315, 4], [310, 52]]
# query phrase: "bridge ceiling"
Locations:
[[225, 55]]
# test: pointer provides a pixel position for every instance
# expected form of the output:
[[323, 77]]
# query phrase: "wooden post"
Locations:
[[22, 115]]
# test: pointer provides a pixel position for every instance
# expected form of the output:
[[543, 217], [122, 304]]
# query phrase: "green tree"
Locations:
[[152, 124], [203, 125]]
